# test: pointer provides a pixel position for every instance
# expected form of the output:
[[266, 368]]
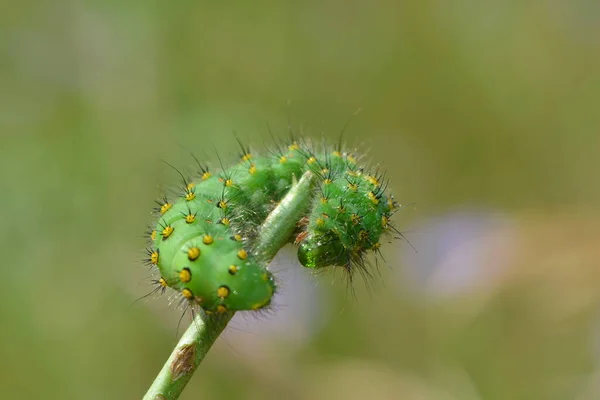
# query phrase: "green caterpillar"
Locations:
[[202, 241]]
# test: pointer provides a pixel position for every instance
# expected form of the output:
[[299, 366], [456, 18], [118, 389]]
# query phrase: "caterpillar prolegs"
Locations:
[[203, 240]]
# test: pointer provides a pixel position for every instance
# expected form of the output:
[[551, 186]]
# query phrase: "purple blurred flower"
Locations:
[[459, 252]]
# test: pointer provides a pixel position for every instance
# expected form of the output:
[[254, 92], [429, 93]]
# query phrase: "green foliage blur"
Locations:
[[468, 105]]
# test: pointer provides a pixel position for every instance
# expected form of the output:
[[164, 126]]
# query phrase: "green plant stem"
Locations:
[[204, 330], [277, 229], [187, 356]]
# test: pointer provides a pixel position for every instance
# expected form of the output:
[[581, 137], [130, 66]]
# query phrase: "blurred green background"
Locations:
[[469, 105]]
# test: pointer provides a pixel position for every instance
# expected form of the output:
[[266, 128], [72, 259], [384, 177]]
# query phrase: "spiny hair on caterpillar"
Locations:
[[158, 287]]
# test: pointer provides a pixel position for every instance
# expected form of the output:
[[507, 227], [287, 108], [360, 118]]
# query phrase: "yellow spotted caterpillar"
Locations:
[[203, 240]]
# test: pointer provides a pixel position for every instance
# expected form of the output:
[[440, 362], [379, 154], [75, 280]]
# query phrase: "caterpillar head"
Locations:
[[322, 251]]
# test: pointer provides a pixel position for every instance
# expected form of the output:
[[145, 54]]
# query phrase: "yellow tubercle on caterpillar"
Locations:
[[376, 246], [167, 231], [252, 169], [325, 171], [187, 293], [223, 291], [237, 238], [185, 275], [294, 146], [363, 235], [225, 221], [391, 203], [162, 282], [222, 204], [373, 180], [242, 254], [311, 160], [193, 253], [320, 222], [154, 258], [384, 221], [165, 207], [221, 309], [189, 196], [153, 235], [355, 219], [356, 251], [324, 200], [353, 187], [327, 181], [190, 218], [351, 158], [207, 239], [190, 186], [283, 159], [233, 269], [247, 157], [336, 153], [228, 183], [373, 198], [206, 175]]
